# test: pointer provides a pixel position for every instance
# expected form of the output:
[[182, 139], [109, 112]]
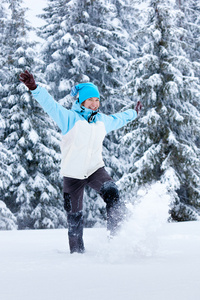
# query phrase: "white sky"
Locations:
[[35, 7]]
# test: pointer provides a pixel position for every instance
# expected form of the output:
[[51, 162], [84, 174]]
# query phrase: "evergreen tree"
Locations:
[[164, 144], [34, 195], [6, 156], [6, 159], [88, 41], [3, 17], [85, 41], [7, 219], [191, 13]]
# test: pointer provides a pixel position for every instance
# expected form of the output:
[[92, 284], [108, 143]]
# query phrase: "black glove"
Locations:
[[28, 80], [138, 107]]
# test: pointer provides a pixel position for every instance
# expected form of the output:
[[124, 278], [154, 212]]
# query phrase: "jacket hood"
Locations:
[[88, 114]]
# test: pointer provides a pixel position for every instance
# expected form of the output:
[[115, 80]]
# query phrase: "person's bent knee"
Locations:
[[109, 192]]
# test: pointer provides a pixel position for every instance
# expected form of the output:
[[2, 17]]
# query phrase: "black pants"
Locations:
[[73, 204], [74, 188]]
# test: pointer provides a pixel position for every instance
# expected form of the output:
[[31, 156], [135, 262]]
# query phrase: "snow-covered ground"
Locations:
[[37, 265], [150, 259]]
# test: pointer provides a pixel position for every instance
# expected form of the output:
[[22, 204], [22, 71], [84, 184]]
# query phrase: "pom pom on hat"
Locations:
[[85, 90], [74, 91]]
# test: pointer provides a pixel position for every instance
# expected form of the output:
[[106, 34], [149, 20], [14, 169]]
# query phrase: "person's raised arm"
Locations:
[[64, 118], [118, 120]]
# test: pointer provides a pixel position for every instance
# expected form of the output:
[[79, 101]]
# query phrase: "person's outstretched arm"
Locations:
[[118, 120], [64, 118]]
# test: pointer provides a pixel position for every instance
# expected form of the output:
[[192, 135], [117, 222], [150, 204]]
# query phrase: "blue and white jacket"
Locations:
[[82, 141]]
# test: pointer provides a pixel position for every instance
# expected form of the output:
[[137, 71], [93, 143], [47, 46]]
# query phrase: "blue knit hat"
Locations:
[[85, 90]]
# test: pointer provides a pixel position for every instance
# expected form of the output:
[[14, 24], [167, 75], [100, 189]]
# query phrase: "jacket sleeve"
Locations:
[[63, 117], [118, 120]]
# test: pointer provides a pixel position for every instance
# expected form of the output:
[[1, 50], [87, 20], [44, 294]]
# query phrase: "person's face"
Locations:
[[92, 103]]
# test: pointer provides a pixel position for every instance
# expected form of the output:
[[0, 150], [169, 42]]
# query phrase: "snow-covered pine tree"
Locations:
[[3, 16], [6, 160], [87, 41], [34, 195], [191, 11], [163, 144], [6, 156], [7, 220]]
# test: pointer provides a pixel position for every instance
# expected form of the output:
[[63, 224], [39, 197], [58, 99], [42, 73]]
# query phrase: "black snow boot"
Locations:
[[115, 218], [115, 209], [75, 232]]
